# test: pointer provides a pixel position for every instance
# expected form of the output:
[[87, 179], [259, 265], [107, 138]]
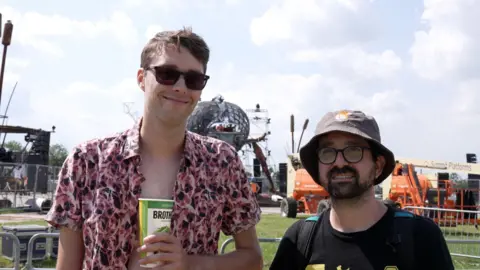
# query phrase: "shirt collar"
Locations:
[[132, 142]]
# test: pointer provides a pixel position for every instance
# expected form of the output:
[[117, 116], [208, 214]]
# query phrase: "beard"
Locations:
[[349, 189]]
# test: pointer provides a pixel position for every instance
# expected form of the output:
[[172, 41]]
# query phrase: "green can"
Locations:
[[154, 216]]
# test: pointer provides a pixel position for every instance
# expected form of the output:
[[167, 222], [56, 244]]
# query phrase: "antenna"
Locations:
[[301, 135], [292, 131], [6, 110], [6, 41], [127, 108]]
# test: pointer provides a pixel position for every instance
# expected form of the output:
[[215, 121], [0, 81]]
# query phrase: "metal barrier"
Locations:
[[16, 250], [262, 240], [27, 185], [451, 241], [459, 227], [28, 264]]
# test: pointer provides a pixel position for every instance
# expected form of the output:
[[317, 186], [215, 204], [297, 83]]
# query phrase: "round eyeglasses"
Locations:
[[351, 154]]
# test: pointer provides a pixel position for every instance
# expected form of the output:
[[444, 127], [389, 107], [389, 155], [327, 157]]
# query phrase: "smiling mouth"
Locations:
[[175, 100], [343, 178]]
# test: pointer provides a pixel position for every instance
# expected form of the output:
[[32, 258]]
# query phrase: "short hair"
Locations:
[[185, 37]]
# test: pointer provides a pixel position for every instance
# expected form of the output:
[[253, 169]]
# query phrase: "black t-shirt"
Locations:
[[366, 250]]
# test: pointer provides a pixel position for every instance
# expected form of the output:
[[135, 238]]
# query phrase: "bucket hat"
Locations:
[[352, 122]]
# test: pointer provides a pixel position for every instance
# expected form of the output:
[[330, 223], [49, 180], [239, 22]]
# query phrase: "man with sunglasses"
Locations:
[[96, 201], [347, 158]]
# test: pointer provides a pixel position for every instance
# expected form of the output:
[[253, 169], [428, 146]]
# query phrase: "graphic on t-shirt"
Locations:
[[315, 267]]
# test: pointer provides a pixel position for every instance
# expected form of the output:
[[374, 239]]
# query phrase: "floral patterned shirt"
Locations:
[[100, 184]]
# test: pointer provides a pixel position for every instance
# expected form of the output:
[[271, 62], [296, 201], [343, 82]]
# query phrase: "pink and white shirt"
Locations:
[[100, 184]]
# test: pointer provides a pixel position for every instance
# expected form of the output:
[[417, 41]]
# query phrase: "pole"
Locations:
[[292, 131], [6, 41], [5, 114], [4, 58]]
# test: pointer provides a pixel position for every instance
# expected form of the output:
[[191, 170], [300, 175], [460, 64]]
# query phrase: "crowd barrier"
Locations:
[[462, 235]]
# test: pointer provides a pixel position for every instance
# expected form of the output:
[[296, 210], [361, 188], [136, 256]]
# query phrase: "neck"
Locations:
[[159, 140], [357, 214]]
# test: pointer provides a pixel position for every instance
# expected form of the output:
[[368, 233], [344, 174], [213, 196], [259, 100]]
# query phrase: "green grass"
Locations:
[[10, 211], [274, 226]]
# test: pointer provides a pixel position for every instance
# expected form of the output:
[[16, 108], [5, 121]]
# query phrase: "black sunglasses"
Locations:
[[169, 76], [351, 154]]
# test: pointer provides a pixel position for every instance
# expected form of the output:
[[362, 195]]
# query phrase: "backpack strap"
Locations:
[[401, 239], [305, 236]]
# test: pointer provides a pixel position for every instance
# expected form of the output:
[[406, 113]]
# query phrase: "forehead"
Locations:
[[181, 59], [341, 139]]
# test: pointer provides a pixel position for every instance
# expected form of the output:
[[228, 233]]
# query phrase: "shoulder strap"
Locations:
[[305, 235], [401, 239]]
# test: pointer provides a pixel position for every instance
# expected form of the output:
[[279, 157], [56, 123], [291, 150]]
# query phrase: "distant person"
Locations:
[[358, 232], [102, 179]]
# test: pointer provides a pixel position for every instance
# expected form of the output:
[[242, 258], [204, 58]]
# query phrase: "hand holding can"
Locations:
[[155, 239]]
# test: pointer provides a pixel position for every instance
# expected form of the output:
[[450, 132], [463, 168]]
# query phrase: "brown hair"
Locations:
[[181, 38]]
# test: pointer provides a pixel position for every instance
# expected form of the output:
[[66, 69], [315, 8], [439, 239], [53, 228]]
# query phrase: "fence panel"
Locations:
[[27, 186], [29, 264], [268, 249], [15, 251], [459, 227]]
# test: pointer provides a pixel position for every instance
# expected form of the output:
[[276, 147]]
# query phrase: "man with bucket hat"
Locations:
[[346, 157]]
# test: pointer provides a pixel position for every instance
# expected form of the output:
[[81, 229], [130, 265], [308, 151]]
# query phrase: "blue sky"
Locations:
[[412, 64]]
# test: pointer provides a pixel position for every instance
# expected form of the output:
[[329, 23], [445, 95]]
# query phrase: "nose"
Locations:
[[180, 86], [340, 160]]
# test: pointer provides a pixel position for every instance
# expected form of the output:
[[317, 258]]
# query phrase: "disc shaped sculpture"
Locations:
[[222, 120]]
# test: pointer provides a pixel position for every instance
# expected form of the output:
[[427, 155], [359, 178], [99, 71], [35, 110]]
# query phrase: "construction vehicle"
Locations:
[[407, 188], [303, 194]]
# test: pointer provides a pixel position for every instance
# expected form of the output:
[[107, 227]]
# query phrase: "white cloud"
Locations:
[[467, 99], [324, 22], [84, 110], [16, 63], [14, 67], [40, 31], [152, 30], [352, 59], [450, 45], [448, 51]]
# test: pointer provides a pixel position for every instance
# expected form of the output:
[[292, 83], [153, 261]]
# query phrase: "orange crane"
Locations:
[[407, 188]]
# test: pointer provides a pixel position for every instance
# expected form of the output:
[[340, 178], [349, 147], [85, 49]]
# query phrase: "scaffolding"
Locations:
[[259, 125]]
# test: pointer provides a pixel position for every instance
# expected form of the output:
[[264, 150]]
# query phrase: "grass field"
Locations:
[[273, 226]]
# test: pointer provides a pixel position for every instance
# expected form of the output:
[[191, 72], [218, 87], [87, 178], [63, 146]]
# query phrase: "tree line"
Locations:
[[57, 153]]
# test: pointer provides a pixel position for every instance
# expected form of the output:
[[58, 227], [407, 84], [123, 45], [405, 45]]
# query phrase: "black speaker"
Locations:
[[39, 175], [256, 168], [471, 158], [282, 177], [442, 178]]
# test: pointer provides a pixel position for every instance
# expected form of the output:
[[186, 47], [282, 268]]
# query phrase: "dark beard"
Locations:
[[348, 190]]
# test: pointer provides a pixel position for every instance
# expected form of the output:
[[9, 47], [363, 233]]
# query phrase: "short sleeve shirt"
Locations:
[[99, 186]]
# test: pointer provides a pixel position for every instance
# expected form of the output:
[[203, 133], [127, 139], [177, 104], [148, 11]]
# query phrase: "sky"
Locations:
[[413, 65]]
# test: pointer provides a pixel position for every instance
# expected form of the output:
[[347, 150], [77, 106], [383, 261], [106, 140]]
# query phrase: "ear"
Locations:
[[141, 78], [379, 165]]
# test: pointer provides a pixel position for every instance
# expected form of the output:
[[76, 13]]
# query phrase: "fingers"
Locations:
[[159, 247], [160, 237], [161, 257]]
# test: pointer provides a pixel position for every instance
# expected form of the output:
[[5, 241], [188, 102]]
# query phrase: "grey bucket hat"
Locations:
[[353, 122]]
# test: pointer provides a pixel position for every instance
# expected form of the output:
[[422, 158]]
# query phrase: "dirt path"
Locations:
[[11, 218]]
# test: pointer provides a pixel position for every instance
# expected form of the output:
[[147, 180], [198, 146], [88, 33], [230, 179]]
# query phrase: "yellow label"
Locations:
[[315, 267]]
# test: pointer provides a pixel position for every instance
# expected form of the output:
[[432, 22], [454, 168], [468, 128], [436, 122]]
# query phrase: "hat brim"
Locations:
[[309, 160]]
